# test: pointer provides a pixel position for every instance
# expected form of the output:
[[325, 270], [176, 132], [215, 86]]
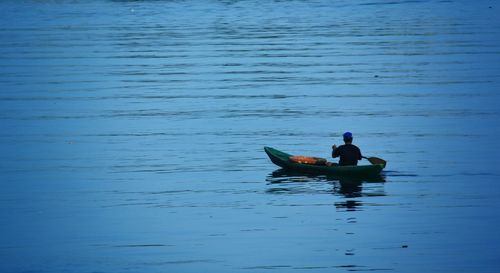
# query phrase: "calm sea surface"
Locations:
[[132, 135]]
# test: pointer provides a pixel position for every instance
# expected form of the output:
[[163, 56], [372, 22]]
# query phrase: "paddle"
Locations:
[[375, 160]]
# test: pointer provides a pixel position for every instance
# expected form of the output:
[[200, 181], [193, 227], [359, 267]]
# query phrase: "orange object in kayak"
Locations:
[[307, 160]]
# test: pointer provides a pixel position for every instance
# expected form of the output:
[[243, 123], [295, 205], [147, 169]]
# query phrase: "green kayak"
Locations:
[[282, 159]]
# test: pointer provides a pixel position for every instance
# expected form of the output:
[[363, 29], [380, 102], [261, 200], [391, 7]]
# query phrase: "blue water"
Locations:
[[132, 135]]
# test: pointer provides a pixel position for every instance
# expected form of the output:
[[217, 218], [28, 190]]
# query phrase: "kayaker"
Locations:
[[349, 153]]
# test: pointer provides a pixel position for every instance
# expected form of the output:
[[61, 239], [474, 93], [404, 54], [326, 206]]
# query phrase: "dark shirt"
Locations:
[[349, 154]]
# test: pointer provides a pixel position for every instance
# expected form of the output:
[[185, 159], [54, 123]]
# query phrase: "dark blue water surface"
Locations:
[[132, 135]]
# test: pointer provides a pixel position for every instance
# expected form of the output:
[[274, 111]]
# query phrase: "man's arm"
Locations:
[[335, 151]]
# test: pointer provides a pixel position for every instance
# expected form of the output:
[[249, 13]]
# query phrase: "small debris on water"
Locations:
[[404, 246]]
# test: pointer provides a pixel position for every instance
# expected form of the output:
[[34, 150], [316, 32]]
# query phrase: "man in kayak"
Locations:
[[349, 154]]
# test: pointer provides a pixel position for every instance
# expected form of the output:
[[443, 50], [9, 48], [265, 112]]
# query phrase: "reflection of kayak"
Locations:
[[282, 159]]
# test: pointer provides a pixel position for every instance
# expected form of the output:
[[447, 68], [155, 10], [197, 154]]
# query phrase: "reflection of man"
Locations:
[[349, 153]]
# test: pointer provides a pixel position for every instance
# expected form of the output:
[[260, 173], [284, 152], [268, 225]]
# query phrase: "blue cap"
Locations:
[[347, 135]]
